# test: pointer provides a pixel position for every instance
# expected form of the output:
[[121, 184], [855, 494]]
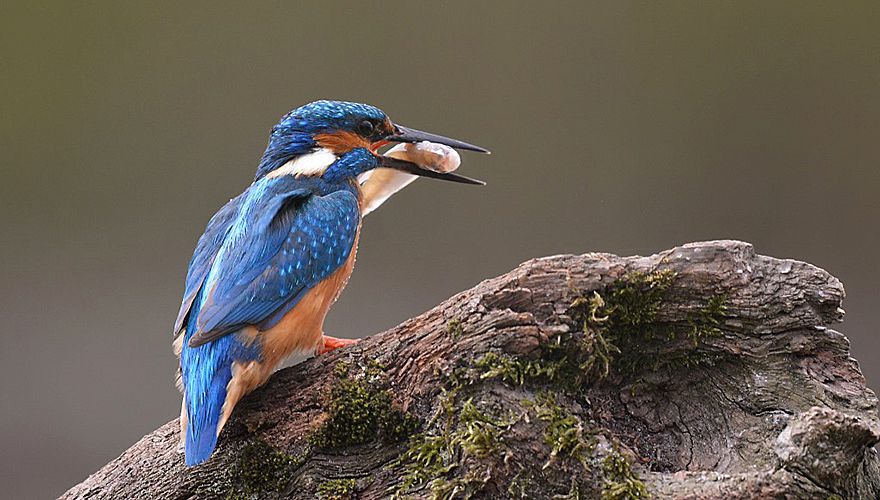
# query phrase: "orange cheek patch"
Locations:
[[341, 141]]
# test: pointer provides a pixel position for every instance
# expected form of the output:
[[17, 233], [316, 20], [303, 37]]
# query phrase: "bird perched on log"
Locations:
[[273, 260]]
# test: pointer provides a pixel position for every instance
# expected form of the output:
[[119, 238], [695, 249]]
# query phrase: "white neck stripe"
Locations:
[[311, 164]]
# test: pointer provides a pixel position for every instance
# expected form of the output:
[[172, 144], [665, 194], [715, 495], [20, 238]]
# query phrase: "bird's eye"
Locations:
[[365, 128]]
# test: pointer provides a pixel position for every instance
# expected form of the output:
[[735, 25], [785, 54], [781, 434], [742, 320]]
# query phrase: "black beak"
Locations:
[[404, 134], [412, 168]]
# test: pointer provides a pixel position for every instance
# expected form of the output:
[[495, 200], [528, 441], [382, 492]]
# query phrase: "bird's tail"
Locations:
[[205, 372], [204, 406]]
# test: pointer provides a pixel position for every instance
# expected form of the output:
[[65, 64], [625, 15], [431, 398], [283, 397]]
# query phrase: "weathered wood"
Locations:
[[733, 386]]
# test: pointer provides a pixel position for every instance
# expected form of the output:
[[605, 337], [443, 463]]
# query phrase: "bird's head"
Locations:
[[339, 140]]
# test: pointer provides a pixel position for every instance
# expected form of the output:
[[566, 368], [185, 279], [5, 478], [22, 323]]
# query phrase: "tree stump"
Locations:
[[705, 371]]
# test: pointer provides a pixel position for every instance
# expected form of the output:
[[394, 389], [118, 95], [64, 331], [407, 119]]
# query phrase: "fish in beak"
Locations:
[[405, 134]]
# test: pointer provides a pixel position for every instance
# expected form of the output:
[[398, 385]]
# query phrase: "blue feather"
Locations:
[[286, 236], [206, 371], [203, 257], [281, 226]]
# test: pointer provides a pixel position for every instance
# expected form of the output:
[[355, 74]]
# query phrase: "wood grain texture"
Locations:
[[782, 411]]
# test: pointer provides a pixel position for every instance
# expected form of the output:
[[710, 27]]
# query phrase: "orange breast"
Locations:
[[299, 330], [302, 327]]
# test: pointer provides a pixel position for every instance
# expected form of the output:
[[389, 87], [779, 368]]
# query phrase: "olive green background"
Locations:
[[615, 126]]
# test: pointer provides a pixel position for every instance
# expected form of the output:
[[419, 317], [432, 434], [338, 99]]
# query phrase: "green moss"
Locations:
[[438, 461], [479, 434], [397, 425], [432, 458], [359, 411], [595, 349], [623, 320], [707, 322], [261, 469], [569, 438], [620, 482], [519, 371], [428, 458], [337, 489], [622, 330], [565, 434], [341, 369], [520, 486], [374, 370], [574, 492], [635, 300], [613, 334], [454, 329]]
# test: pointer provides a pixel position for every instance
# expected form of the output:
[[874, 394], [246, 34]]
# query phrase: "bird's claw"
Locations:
[[330, 343]]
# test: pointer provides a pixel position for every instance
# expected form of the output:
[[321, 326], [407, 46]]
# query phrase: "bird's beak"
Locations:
[[405, 134], [412, 168]]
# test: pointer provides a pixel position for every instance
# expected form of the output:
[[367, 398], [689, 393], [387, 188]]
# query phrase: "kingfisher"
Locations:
[[275, 258]]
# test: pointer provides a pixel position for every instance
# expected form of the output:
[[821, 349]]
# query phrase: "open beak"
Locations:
[[405, 134], [412, 168]]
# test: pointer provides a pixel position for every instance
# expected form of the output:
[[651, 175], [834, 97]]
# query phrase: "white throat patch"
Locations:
[[312, 164]]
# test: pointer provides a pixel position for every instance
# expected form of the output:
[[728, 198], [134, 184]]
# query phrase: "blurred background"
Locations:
[[616, 126]]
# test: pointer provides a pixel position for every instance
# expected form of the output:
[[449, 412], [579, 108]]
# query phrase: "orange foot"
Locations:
[[330, 343]]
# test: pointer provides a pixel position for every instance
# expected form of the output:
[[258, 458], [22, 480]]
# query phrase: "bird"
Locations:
[[273, 260]]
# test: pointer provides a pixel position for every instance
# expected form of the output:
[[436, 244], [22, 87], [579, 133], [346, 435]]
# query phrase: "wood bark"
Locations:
[[756, 398]]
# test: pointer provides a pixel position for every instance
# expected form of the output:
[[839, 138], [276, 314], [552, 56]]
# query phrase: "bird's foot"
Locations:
[[331, 343]]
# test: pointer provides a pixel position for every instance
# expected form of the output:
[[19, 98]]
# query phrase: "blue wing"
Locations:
[[283, 242], [203, 257]]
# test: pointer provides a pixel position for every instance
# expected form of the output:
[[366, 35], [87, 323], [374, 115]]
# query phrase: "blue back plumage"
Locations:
[[203, 257], [283, 236], [285, 240]]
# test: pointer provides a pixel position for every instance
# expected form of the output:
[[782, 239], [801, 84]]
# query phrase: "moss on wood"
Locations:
[[260, 469], [337, 489], [360, 410], [619, 481], [437, 458], [623, 331]]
